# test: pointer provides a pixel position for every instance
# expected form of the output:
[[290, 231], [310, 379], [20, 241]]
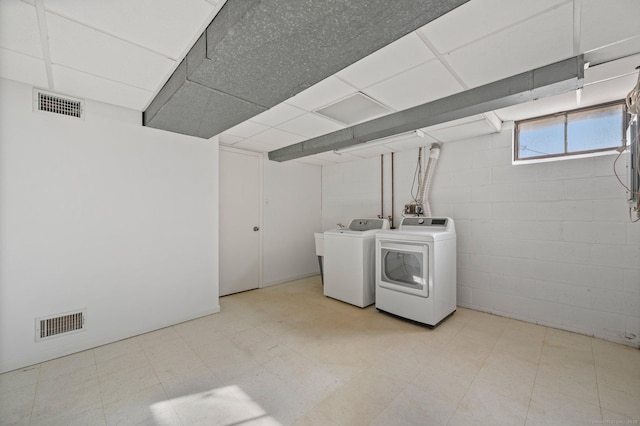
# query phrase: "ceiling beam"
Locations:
[[256, 54], [549, 80]]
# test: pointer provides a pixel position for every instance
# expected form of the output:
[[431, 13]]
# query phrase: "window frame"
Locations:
[[569, 154]]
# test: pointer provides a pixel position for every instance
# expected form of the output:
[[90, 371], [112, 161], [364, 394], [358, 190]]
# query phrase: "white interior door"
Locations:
[[240, 183]]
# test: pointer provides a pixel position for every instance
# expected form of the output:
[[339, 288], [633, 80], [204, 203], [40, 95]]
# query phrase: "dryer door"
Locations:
[[404, 267]]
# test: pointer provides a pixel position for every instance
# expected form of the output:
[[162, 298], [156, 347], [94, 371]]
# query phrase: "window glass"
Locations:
[[544, 137], [595, 129]]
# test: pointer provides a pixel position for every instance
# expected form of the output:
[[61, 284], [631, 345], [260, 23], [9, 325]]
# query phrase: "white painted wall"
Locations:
[[548, 243], [292, 213], [100, 214]]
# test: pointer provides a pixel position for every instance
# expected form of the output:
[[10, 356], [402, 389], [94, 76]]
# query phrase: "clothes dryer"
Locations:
[[416, 270]]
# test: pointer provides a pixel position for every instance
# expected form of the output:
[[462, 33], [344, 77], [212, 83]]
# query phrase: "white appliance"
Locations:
[[349, 261], [416, 270]]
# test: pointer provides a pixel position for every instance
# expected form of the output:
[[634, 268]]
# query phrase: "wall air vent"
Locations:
[[57, 104], [47, 327]]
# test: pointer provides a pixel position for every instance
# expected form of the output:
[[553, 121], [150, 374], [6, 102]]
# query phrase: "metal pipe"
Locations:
[[381, 186], [392, 192]]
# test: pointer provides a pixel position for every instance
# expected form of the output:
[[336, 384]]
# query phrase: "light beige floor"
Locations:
[[289, 355]]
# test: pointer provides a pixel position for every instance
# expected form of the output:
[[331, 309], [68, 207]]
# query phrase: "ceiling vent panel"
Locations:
[[354, 109], [57, 104], [256, 54]]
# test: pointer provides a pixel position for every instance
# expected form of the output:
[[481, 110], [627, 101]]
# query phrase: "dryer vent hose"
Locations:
[[434, 154]]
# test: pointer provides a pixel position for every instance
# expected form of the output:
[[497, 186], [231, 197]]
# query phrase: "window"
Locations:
[[582, 131]]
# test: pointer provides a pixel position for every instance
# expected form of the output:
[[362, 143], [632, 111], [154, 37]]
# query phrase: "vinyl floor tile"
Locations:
[[287, 355]]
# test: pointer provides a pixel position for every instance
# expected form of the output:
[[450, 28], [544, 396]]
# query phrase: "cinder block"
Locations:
[[632, 280], [596, 188], [610, 210], [594, 232], [473, 278], [564, 252], [514, 210], [566, 169], [463, 294], [565, 210], [472, 211], [515, 173], [622, 256]]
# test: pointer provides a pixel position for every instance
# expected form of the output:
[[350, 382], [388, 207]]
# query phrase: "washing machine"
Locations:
[[349, 261], [416, 270]]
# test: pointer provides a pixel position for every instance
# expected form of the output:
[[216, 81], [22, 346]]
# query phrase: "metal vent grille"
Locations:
[[62, 324], [57, 104]]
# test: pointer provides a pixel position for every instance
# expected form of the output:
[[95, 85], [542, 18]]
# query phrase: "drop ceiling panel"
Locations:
[[612, 69], [480, 18], [393, 59], [22, 68], [602, 24], [463, 131], [273, 138], [543, 40], [84, 49], [310, 125], [226, 139], [416, 86], [163, 26], [83, 85], [19, 28], [247, 129], [327, 91], [278, 115], [411, 143]]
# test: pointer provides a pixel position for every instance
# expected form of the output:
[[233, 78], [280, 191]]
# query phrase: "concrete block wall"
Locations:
[[549, 243]]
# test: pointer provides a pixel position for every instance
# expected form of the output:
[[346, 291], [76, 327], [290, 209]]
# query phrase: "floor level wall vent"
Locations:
[[57, 104], [52, 326]]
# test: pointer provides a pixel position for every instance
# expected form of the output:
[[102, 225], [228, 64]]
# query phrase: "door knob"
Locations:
[[255, 228]]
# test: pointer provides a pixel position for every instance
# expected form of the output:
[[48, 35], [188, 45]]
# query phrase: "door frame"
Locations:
[[260, 156]]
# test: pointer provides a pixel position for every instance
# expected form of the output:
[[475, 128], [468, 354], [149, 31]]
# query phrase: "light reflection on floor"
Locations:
[[226, 406]]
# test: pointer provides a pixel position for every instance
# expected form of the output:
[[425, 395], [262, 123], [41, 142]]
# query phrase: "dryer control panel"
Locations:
[[425, 221]]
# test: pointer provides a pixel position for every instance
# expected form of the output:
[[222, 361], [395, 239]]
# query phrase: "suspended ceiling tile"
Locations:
[[327, 91], [275, 137], [83, 85], [314, 161], [419, 85], [278, 115], [19, 29], [612, 69], [411, 143], [84, 49], [23, 68], [392, 59], [609, 90], [626, 47], [543, 40], [463, 131], [479, 18], [247, 129], [164, 26], [310, 125], [606, 22], [226, 139]]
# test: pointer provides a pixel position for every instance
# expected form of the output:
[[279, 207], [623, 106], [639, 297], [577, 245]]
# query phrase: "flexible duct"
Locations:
[[434, 154]]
